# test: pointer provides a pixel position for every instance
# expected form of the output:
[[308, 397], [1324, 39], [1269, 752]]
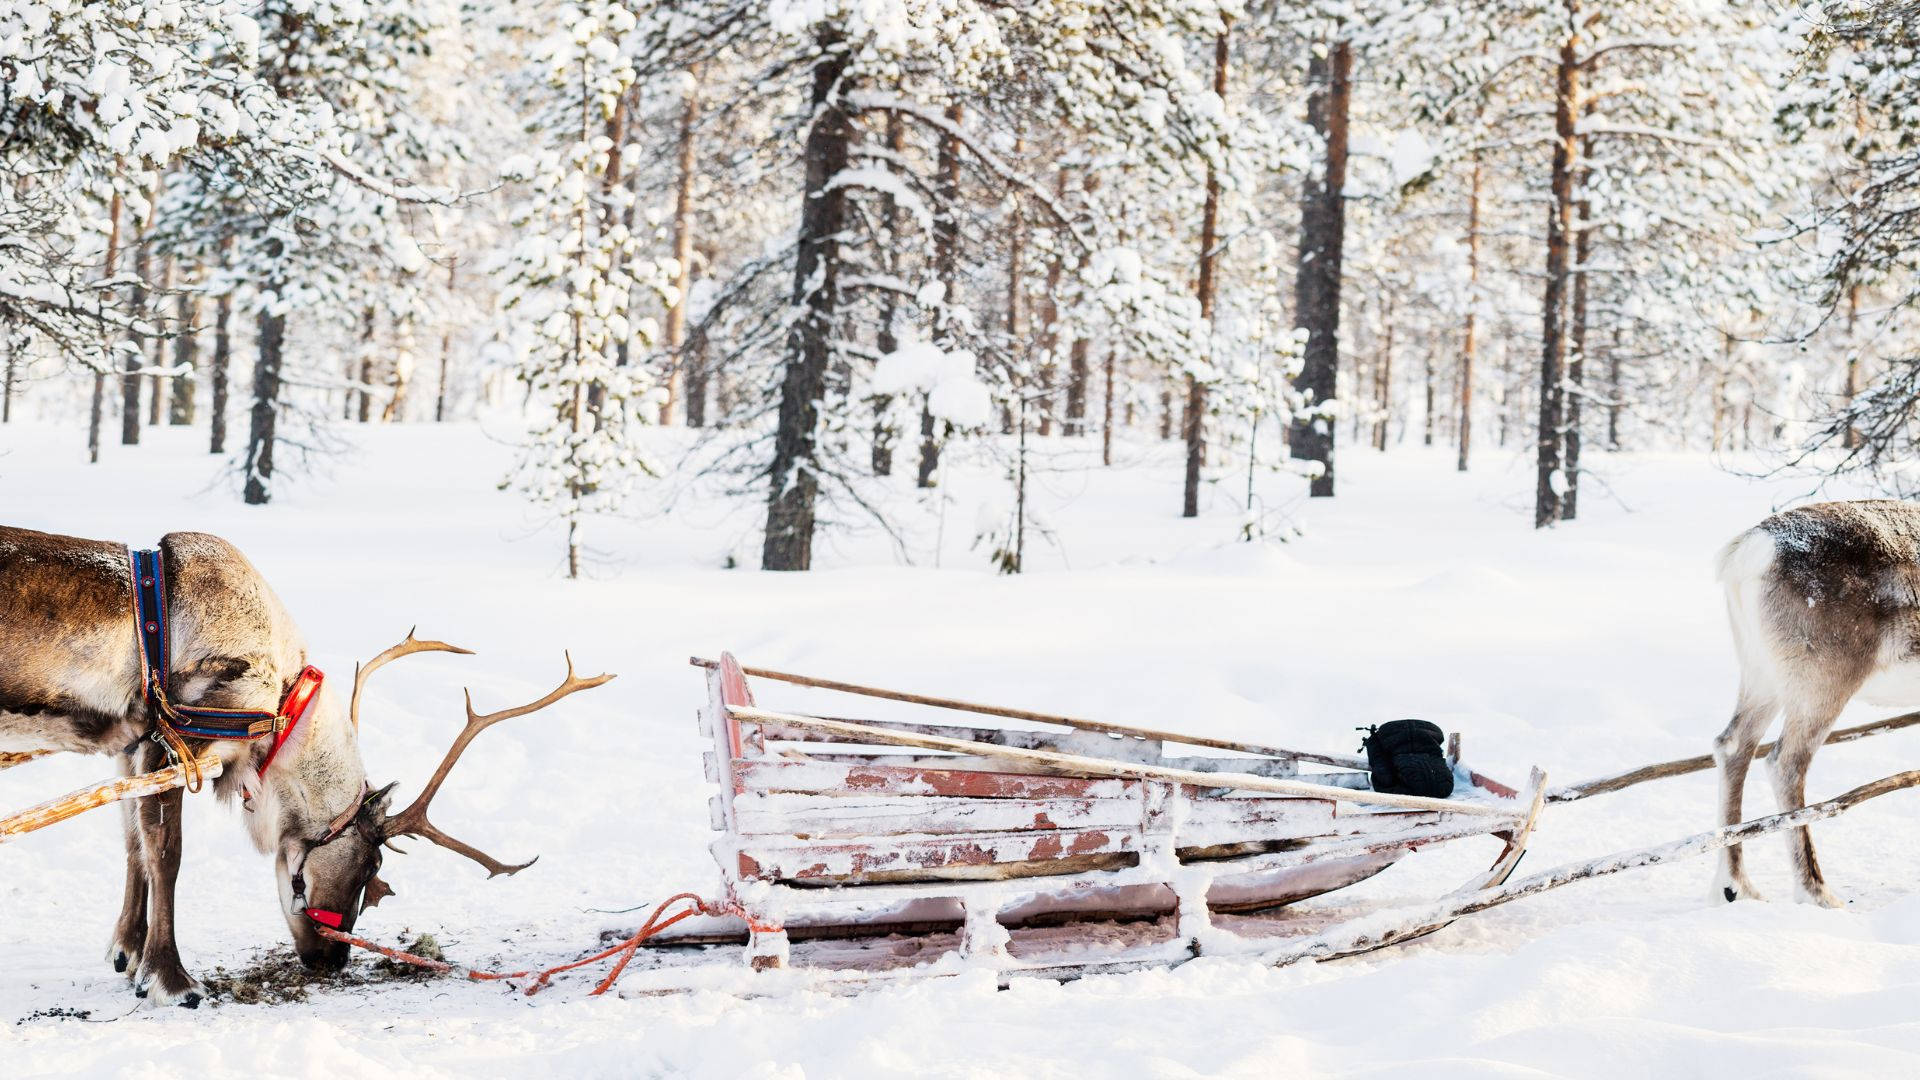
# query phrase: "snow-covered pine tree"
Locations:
[[1653, 117], [100, 99], [1857, 87], [568, 280]]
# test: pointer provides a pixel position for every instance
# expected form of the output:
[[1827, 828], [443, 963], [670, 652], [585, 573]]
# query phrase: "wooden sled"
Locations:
[[862, 848]]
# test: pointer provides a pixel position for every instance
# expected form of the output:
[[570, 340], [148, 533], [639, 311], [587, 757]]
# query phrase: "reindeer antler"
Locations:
[[413, 820], [362, 672]]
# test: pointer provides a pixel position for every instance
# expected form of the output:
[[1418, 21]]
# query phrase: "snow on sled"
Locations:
[[865, 848]]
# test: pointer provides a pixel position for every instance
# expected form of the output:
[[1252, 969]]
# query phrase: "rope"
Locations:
[[625, 949]]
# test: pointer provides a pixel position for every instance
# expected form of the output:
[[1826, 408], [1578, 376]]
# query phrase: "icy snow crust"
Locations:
[[1418, 592]]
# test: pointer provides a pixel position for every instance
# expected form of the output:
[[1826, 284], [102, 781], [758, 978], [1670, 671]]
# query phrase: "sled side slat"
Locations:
[[831, 778], [829, 816], [766, 858]]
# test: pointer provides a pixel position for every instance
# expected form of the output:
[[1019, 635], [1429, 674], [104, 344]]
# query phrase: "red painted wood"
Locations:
[[852, 860], [733, 691], [853, 816], [825, 778]]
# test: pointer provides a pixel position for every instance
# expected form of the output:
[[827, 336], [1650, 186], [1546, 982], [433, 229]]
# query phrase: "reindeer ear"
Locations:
[[377, 799], [372, 813], [377, 891]]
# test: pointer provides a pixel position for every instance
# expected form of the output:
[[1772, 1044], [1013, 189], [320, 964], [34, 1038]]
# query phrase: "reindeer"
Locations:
[[1825, 606], [71, 678]]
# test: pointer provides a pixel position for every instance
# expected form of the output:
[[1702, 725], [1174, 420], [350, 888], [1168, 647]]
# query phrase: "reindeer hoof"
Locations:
[[124, 956], [1819, 894], [1730, 889], [175, 988]]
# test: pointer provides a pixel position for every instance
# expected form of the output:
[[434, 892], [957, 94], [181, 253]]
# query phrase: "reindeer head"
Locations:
[[330, 879]]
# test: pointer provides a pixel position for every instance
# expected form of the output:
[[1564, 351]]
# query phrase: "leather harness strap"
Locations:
[[174, 723]]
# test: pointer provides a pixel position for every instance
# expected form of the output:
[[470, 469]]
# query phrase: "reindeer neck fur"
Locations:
[[317, 775]]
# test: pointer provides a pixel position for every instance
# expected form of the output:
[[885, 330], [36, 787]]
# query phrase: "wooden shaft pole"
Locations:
[[1078, 764], [1603, 785], [1336, 760], [1387, 928], [79, 802]]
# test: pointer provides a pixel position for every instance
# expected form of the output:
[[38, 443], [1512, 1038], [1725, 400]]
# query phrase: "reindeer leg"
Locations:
[[1803, 734], [1734, 751], [130, 933], [162, 978]]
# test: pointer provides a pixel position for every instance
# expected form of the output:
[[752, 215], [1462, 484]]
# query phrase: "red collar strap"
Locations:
[[292, 708]]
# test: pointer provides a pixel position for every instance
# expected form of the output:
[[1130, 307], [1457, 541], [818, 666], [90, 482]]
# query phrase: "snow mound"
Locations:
[[1478, 580], [1236, 560]]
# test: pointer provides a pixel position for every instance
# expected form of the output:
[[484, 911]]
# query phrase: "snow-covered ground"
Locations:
[[1418, 592]]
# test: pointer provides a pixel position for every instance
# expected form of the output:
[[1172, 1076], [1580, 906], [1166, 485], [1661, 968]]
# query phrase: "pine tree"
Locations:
[[569, 279]]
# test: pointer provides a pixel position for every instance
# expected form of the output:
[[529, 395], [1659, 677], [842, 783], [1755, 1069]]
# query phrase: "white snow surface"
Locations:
[[1417, 592]]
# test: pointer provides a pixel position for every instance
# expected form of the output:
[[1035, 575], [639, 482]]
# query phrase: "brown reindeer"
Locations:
[[1825, 606], [71, 679]]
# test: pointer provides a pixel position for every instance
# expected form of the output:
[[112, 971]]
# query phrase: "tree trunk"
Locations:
[[1613, 392], [1566, 148], [1506, 402], [1577, 354], [887, 338], [6, 386], [1106, 420], [157, 384], [577, 411], [446, 355], [682, 246], [96, 416], [1050, 321], [266, 408], [1470, 343], [1383, 384], [1196, 418], [701, 384], [395, 409], [1851, 440], [794, 475], [1323, 217], [1019, 350], [1426, 437], [367, 325], [186, 355], [614, 131], [946, 255], [217, 376], [1077, 387], [136, 353]]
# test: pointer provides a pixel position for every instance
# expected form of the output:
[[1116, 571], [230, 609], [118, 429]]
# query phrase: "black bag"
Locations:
[[1407, 757]]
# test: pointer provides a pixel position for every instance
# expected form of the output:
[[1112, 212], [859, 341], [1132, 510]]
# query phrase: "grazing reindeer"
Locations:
[[1825, 606], [72, 676]]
